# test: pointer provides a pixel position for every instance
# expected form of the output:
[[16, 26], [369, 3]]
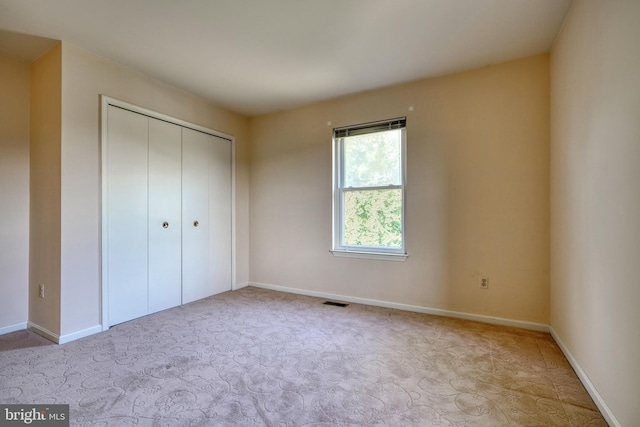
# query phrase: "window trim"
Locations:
[[365, 252]]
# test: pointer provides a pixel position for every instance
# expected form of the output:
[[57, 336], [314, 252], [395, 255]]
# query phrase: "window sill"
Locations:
[[370, 255]]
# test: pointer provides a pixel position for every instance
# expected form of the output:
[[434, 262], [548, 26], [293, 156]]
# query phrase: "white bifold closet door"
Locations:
[[220, 243], [127, 204], [206, 215], [167, 216]]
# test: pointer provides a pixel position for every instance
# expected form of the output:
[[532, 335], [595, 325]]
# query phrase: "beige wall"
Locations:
[[14, 192], [84, 78], [477, 194], [595, 197], [44, 219]]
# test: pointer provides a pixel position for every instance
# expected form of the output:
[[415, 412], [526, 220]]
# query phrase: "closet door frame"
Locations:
[[105, 102]]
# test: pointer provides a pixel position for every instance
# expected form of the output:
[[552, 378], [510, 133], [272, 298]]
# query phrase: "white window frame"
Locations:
[[358, 251]]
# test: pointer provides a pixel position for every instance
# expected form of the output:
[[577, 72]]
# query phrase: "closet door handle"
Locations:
[[165, 224], [196, 223]]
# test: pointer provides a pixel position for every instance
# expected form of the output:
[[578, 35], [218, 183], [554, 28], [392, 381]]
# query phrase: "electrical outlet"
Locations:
[[41, 290], [484, 283]]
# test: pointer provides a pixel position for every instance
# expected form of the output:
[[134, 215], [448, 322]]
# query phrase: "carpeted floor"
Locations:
[[261, 358], [21, 339]]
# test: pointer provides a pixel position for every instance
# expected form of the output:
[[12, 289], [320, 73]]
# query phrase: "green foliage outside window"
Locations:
[[373, 218]]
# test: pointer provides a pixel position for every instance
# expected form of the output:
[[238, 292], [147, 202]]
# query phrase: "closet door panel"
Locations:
[[196, 283], [165, 237], [220, 214], [126, 198]]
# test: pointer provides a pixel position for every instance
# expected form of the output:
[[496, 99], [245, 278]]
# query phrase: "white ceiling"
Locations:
[[259, 56]]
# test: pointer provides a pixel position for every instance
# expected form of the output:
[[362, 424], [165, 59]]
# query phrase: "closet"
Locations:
[[166, 214]]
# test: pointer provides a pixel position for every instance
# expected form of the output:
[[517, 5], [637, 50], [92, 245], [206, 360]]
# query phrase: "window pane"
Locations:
[[373, 159], [373, 218]]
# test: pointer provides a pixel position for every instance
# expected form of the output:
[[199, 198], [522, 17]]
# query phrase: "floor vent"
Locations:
[[336, 304]]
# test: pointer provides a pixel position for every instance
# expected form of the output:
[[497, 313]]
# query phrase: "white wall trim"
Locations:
[[13, 328], [233, 215], [43, 332], [369, 255], [584, 378], [240, 286], [63, 339], [540, 327]]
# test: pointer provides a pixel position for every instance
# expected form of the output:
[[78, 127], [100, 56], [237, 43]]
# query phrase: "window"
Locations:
[[369, 190]]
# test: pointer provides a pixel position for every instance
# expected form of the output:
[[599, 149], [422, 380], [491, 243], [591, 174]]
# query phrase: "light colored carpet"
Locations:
[[261, 358], [21, 339]]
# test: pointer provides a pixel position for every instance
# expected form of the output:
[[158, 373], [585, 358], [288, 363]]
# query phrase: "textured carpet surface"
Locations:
[[21, 339], [261, 358]]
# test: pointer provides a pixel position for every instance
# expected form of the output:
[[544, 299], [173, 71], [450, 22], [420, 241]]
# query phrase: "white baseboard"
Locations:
[[43, 332], [79, 334], [240, 286], [540, 327], [588, 385], [63, 339], [13, 328]]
